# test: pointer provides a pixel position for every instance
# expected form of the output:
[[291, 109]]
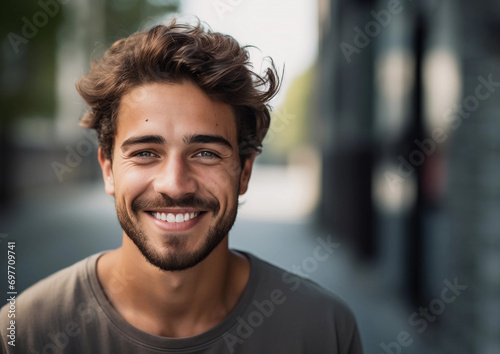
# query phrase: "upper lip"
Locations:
[[176, 211]]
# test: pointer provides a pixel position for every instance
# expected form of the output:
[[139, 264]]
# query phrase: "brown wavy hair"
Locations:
[[172, 54]]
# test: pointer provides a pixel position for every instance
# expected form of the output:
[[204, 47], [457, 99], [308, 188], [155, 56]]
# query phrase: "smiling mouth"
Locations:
[[175, 218]]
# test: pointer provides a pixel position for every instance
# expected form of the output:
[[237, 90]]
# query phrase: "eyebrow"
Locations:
[[192, 139], [207, 139], [145, 139]]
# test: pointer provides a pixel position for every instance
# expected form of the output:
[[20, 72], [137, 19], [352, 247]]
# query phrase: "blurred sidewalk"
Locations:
[[56, 227]]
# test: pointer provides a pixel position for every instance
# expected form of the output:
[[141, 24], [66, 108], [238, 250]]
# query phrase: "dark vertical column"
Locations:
[[472, 321], [415, 251], [346, 207]]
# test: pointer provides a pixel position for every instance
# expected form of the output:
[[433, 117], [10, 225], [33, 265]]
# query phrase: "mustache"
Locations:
[[164, 202]]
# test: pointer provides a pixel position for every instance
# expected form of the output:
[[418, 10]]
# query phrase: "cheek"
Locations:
[[227, 177], [222, 182], [130, 183]]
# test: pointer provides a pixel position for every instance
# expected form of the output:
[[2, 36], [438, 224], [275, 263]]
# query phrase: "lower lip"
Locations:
[[176, 226]]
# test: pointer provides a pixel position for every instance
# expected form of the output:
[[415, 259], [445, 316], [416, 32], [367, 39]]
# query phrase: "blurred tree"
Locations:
[[291, 123], [31, 34], [27, 58]]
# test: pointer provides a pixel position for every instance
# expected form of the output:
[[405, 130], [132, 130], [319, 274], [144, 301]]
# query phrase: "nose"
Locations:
[[175, 178]]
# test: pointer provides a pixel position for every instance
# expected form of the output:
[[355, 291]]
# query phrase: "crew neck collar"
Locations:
[[148, 340]]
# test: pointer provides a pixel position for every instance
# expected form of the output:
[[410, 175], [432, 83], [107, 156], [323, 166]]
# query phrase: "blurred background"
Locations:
[[384, 142]]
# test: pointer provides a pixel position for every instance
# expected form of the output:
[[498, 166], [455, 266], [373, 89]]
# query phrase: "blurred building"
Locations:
[[408, 105]]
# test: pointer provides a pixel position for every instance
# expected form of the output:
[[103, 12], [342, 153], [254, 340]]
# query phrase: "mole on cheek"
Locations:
[[146, 120]]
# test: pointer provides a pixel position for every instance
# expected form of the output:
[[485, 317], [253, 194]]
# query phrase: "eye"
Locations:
[[207, 155], [144, 154]]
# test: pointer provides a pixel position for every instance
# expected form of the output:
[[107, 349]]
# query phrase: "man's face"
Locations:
[[175, 172]]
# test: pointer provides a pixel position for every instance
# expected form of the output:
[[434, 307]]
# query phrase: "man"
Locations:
[[180, 117]]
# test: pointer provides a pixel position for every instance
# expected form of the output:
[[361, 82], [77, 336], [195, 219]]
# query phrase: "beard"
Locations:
[[178, 259]]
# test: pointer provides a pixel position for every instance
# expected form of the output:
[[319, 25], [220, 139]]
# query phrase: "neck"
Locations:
[[173, 304]]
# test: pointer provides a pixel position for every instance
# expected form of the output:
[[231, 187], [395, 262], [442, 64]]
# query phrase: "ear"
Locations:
[[107, 172], [245, 174]]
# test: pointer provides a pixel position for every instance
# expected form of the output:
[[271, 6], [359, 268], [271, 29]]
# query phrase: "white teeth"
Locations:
[[175, 217]]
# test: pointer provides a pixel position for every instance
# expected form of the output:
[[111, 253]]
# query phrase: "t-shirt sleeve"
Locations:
[[43, 312], [348, 337], [354, 345]]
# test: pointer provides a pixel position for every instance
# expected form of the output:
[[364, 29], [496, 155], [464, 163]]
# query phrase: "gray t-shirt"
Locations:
[[278, 312]]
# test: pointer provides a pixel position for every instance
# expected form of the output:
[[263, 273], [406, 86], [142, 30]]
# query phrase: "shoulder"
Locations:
[[57, 289], [304, 305], [50, 304], [274, 276]]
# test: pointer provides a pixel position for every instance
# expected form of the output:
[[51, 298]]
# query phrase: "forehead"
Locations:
[[174, 111]]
